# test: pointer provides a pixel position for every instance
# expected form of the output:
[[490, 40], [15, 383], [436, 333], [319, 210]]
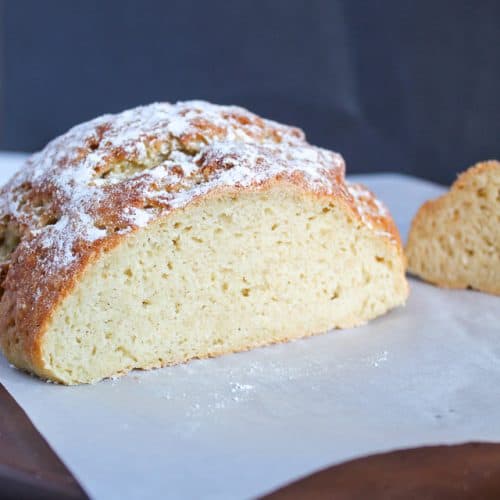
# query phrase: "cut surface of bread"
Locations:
[[454, 241], [174, 232]]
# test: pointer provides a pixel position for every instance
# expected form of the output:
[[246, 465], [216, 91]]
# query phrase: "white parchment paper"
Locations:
[[241, 425]]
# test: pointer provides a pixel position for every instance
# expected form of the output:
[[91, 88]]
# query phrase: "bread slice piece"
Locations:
[[454, 240], [172, 232]]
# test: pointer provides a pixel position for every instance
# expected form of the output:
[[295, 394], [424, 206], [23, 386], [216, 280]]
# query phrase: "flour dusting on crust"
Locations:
[[118, 172], [372, 211], [109, 176]]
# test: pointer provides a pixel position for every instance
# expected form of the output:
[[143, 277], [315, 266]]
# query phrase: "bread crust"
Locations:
[[93, 187], [429, 211]]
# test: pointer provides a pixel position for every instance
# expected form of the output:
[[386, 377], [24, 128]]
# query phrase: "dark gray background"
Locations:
[[409, 86]]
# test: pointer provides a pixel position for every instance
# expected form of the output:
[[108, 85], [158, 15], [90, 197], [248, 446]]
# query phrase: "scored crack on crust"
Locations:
[[106, 178]]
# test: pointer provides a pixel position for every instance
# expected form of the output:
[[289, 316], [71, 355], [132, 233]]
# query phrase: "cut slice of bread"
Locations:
[[173, 232], [454, 240]]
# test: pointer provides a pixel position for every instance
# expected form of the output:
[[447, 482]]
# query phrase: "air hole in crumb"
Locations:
[[226, 218], [170, 265], [178, 307], [176, 243], [146, 302], [273, 227], [225, 287], [177, 225], [325, 210], [487, 241], [197, 240], [245, 292], [94, 351], [164, 276], [379, 259], [481, 192], [128, 272]]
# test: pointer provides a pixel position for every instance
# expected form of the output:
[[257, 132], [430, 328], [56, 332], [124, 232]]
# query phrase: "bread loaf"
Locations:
[[454, 241], [171, 232]]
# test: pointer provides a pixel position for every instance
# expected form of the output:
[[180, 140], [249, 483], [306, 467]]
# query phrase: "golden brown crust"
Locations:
[[373, 212], [429, 210], [479, 168], [90, 188]]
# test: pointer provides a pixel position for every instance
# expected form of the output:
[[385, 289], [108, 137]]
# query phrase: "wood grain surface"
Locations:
[[28, 466], [462, 472]]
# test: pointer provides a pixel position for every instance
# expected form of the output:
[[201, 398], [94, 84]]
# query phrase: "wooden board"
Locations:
[[462, 472], [28, 466]]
